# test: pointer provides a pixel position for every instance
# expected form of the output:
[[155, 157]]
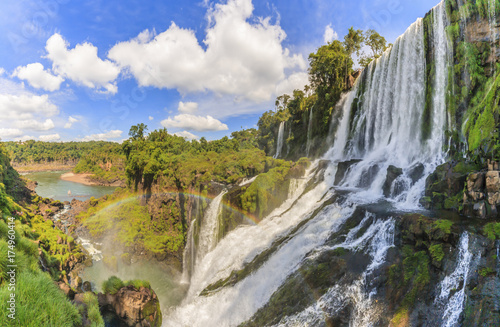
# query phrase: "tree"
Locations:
[[376, 42], [353, 42], [327, 67], [137, 131]]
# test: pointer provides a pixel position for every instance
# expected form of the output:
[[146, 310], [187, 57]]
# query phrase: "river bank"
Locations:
[[35, 168], [78, 178]]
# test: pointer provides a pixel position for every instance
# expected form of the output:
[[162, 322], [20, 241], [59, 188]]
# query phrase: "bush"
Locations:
[[112, 285]]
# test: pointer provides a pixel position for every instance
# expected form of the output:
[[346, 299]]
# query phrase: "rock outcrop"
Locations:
[[137, 307], [482, 198]]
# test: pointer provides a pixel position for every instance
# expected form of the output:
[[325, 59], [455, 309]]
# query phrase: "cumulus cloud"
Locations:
[[38, 77], [187, 135], [35, 125], [70, 122], [194, 123], [330, 34], [187, 107], [10, 132], [82, 64], [151, 118], [242, 55], [2, 71], [25, 106], [103, 136], [49, 137], [24, 138], [296, 81]]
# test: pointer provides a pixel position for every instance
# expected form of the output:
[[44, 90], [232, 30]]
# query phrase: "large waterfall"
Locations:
[[381, 128]]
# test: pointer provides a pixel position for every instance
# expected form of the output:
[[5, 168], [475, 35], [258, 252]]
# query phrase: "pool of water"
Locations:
[[50, 185]]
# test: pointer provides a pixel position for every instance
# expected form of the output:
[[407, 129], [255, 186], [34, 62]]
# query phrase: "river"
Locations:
[[50, 185]]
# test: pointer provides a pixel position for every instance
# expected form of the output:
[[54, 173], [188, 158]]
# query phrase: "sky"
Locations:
[[88, 70]]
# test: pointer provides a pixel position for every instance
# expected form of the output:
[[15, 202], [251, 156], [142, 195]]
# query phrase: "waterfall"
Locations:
[[309, 133], [375, 241], [89, 247], [188, 255], [279, 145], [381, 125], [454, 304], [209, 229]]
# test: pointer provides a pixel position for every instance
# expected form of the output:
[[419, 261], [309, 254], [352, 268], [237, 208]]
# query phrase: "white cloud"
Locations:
[[296, 81], [187, 135], [25, 106], [103, 136], [38, 77], [242, 55], [151, 118], [49, 138], [195, 123], [187, 107], [24, 138], [35, 125], [2, 71], [70, 122], [82, 65], [330, 34], [10, 132]]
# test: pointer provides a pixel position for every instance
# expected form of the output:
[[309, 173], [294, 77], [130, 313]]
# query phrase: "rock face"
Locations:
[[138, 308], [482, 198], [392, 173]]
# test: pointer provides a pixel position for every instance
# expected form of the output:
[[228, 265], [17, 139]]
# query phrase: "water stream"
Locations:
[[281, 135]]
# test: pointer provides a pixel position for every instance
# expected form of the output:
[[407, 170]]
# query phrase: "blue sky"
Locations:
[[88, 70]]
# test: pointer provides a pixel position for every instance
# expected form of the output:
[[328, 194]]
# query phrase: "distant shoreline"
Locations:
[[78, 178], [35, 168]]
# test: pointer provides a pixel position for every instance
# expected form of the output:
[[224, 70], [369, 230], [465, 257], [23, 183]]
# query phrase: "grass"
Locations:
[[93, 313], [492, 231], [444, 225], [114, 284], [39, 303]]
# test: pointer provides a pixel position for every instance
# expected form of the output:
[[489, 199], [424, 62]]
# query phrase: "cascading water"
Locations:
[[309, 132], [279, 145], [386, 128], [375, 241], [454, 304], [207, 239], [188, 256]]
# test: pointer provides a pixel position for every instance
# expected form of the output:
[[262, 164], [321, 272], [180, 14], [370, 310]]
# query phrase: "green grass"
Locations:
[[93, 313], [492, 231], [39, 303], [444, 225], [112, 285]]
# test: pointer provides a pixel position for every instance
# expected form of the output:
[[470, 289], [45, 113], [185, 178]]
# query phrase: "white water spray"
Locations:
[[279, 145]]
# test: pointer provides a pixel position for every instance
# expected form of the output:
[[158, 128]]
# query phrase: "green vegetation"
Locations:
[[492, 231], [93, 313], [486, 271], [437, 252], [330, 73], [114, 284], [443, 225]]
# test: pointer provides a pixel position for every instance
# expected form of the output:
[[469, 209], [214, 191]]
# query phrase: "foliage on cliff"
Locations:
[[37, 297], [330, 74]]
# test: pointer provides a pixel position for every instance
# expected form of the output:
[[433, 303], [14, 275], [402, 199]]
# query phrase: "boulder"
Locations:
[[342, 168], [493, 181], [368, 176], [479, 209], [136, 307], [67, 290], [392, 173], [416, 172]]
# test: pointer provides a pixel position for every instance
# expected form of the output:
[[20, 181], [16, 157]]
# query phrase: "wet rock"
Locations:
[[136, 307], [480, 209], [87, 287], [342, 168], [416, 172], [493, 181], [369, 176], [392, 173]]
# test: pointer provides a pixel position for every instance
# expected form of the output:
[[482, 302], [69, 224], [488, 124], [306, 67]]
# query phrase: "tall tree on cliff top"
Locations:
[[327, 68], [353, 42], [377, 44]]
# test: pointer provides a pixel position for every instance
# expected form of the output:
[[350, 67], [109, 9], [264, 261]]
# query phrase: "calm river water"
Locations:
[[50, 185]]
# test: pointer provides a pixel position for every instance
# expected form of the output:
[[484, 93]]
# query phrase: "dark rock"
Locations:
[[368, 176], [342, 168], [67, 290], [392, 173], [87, 287], [416, 172], [136, 307]]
